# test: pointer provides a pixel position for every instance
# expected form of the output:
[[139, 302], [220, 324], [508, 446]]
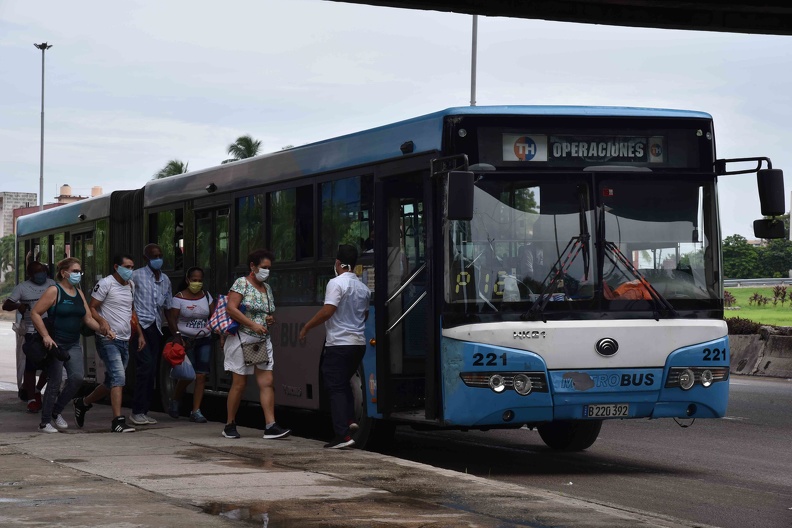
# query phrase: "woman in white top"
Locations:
[[190, 310]]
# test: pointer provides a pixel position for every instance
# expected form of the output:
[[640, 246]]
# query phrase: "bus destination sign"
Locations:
[[576, 150]]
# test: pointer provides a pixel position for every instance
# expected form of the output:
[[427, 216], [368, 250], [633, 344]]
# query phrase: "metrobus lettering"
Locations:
[[583, 381]]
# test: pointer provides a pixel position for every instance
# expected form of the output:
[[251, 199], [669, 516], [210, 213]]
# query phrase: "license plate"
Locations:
[[614, 410]]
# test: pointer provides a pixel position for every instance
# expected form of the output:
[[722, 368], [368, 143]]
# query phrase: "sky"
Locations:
[[131, 85]]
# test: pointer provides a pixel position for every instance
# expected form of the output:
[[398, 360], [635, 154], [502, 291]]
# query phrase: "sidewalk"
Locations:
[[183, 474]]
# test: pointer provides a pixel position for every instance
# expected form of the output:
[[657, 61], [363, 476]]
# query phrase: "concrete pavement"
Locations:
[[183, 474]]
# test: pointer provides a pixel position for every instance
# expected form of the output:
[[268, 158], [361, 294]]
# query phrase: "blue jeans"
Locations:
[[115, 356], [146, 362], [339, 364], [54, 403], [200, 354]]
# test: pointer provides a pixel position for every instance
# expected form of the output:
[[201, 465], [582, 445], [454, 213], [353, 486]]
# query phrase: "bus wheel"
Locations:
[[373, 434], [572, 435]]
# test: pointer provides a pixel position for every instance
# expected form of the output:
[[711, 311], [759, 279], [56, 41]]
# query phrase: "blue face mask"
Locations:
[[40, 277], [75, 277], [155, 263], [124, 273]]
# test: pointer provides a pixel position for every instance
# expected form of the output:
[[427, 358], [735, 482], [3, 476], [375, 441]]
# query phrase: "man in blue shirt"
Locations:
[[152, 296]]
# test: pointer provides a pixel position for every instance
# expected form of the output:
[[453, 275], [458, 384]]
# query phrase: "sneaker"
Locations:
[[138, 419], [340, 441], [33, 406], [59, 423], [150, 420], [197, 417], [230, 431], [173, 409], [47, 428], [79, 411], [119, 425], [276, 431]]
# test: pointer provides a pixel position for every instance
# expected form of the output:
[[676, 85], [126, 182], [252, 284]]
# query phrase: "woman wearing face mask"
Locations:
[[190, 310], [68, 310], [252, 292]]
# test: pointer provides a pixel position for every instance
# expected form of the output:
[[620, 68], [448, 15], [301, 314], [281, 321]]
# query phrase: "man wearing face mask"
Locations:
[[23, 298], [152, 298], [344, 315], [112, 307]]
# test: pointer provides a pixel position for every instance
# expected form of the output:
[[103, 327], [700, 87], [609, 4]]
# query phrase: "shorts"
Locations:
[[115, 356], [200, 354], [235, 361]]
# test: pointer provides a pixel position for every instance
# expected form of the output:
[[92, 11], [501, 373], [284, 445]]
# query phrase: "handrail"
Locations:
[[407, 283], [408, 310]]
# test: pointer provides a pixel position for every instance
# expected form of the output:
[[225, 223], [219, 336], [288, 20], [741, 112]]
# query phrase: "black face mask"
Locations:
[[40, 277]]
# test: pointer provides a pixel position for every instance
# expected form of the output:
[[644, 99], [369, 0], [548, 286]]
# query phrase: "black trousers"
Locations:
[[339, 364]]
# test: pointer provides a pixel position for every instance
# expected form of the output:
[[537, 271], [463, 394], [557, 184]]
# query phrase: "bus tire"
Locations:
[[570, 435], [372, 434]]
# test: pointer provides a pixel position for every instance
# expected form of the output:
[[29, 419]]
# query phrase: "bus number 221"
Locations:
[[492, 359]]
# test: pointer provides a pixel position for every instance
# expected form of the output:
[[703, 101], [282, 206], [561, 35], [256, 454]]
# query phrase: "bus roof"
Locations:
[[64, 215], [368, 146]]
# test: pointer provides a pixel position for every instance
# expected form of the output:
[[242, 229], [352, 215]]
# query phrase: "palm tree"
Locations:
[[243, 147], [173, 168]]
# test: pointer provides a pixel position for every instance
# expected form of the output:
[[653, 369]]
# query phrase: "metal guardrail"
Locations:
[[737, 283]]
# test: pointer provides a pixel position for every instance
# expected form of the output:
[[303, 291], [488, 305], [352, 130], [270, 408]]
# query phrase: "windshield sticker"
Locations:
[[521, 147]]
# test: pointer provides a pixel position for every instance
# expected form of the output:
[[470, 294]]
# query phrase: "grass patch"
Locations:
[[767, 314]]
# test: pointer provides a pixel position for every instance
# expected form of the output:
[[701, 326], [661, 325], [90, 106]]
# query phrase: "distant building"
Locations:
[[10, 201]]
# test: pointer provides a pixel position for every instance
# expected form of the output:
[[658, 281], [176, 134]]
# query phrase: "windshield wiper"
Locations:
[[558, 271], [575, 246], [661, 304]]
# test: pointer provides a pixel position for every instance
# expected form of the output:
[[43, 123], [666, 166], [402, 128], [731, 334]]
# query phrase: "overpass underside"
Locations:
[[773, 17]]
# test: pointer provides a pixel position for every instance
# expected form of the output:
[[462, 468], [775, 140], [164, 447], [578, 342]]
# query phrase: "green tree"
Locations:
[[7, 244], [173, 168], [244, 147], [740, 259]]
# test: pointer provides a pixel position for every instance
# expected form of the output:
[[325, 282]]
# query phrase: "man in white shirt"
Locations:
[[344, 315], [25, 295], [112, 307]]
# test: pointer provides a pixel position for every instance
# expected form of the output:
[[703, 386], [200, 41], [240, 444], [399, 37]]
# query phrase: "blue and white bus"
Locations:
[[544, 266]]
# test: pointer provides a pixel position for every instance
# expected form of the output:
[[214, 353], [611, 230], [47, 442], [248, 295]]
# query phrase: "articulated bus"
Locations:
[[548, 267]]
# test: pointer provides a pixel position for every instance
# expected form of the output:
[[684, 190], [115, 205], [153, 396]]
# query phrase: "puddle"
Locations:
[[247, 514], [10, 484], [70, 460]]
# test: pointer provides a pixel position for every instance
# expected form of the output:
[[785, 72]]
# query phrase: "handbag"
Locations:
[[173, 352], [255, 352], [220, 321], [183, 371], [35, 351]]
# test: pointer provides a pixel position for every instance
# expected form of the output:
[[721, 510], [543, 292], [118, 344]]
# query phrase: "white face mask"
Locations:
[[262, 274], [335, 270]]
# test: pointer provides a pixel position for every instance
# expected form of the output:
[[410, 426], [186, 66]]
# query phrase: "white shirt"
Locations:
[[29, 293], [351, 298], [116, 308], [193, 315]]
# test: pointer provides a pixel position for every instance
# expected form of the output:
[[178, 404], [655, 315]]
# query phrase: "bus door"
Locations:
[[402, 312], [212, 228], [83, 247]]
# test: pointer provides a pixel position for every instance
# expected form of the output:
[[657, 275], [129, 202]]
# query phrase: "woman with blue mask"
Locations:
[[67, 310]]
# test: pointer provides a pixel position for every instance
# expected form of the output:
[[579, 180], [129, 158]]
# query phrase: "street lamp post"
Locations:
[[43, 47]]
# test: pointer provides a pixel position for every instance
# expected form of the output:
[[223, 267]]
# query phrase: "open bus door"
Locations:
[[403, 320]]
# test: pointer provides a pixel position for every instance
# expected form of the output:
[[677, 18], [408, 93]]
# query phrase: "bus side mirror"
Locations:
[[460, 195], [769, 228], [771, 192]]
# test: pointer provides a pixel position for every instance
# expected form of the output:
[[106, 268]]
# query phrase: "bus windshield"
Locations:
[[591, 241]]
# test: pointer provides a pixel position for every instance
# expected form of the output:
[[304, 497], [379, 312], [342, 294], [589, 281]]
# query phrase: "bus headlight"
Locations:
[[496, 383], [706, 378], [522, 384], [686, 379]]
